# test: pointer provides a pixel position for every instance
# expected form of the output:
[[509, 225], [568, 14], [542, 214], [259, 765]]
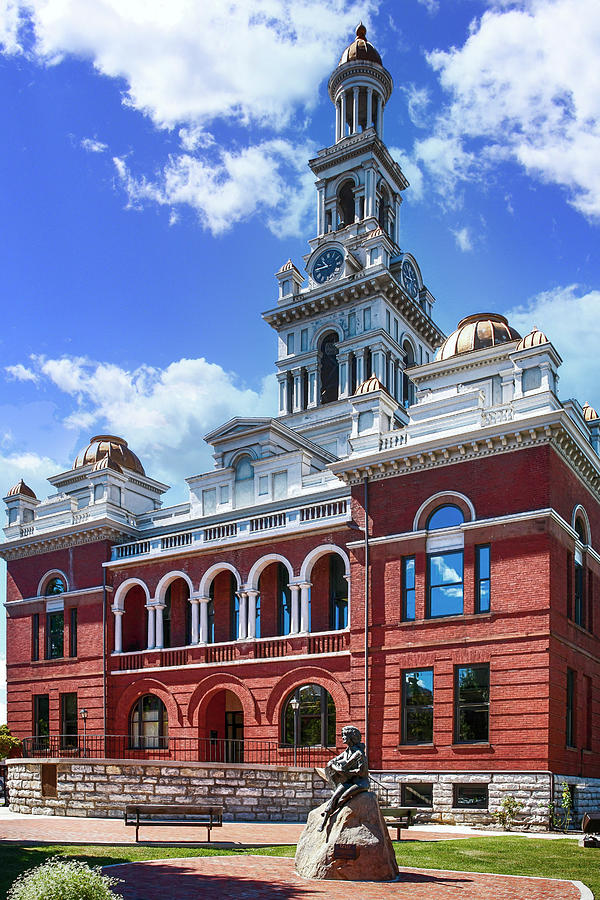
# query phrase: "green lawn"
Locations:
[[508, 855]]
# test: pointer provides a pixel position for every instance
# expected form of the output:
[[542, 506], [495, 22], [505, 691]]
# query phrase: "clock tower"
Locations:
[[362, 309]]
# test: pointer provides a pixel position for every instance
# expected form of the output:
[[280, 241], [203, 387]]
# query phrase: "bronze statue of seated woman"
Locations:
[[348, 773]]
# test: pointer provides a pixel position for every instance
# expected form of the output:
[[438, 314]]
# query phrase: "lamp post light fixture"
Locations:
[[295, 704], [84, 714]]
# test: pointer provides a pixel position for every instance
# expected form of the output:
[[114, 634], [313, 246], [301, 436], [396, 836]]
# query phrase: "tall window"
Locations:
[[447, 516], [235, 615], [55, 634], [284, 601], [588, 711], [472, 698], [166, 618], [408, 390], [482, 578], [571, 708], [338, 586], [68, 720], [408, 589], [417, 707], [41, 719], [244, 482], [445, 595], [35, 637], [579, 607], [312, 722], [330, 376], [149, 727], [55, 586], [346, 203], [73, 631]]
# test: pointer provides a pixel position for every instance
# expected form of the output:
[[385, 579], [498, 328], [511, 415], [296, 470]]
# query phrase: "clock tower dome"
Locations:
[[362, 309]]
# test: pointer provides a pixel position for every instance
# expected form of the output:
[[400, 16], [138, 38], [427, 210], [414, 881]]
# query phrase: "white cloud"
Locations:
[[187, 65], [21, 373], [463, 240], [185, 61], [524, 87], [29, 466], [569, 318], [163, 413], [412, 171], [432, 6], [231, 186], [94, 146]]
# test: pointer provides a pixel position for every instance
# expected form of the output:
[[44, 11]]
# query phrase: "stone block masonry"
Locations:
[[101, 788]]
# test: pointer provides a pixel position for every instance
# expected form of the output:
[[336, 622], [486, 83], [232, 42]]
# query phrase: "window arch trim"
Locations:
[[138, 738], [579, 512], [443, 498], [47, 578]]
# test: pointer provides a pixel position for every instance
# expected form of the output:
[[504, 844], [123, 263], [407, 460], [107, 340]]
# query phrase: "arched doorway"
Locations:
[[346, 203], [224, 728]]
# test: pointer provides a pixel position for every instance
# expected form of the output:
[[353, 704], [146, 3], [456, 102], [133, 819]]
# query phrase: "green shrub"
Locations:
[[8, 743], [59, 879], [508, 811]]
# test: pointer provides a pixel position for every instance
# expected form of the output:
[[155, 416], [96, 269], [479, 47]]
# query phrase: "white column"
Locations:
[[312, 387], [356, 206], [295, 624], [282, 378], [304, 606], [252, 595], [204, 619], [298, 390], [380, 116], [338, 120], [360, 366], [195, 602], [159, 625], [397, 232], [369, 192], [321, 207], [369, 107], [118, 614], [343, 115], [354, 110], [243, 616], [151, 626], [344, 370]]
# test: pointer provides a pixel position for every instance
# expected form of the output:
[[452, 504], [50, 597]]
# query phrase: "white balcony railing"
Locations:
[[295, 519]]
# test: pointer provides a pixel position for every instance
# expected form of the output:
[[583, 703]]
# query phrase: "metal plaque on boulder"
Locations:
[[345, 851]]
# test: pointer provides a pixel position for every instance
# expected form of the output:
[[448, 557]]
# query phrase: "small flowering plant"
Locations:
[[60, 879]]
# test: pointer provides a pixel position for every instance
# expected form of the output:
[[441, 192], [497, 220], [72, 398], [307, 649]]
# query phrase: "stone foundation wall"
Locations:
[[584, 791], [95, 787], [532, 789]]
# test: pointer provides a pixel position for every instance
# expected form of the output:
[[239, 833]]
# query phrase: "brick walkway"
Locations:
[[74, 830], [271, 878]]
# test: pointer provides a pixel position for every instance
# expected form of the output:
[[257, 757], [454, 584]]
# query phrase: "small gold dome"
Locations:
[[534, 339], [115, 448], [23, 489], [369, 386], [360, 49], [589, 413], [476, 333]]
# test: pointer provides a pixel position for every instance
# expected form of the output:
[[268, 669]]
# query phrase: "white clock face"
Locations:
[[409, 278], [327, 266]]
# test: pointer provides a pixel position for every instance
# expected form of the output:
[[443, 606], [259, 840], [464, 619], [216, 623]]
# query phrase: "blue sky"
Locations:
[[153, 178]]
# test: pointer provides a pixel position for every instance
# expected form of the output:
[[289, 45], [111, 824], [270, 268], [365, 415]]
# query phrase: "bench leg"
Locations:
[[137, 832], [208, 829]]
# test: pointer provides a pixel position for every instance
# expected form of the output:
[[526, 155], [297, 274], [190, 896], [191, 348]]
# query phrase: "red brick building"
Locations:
[[433, 492]]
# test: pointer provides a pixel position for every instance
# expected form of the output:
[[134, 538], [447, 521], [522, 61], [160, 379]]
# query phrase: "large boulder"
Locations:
[[354, 845]]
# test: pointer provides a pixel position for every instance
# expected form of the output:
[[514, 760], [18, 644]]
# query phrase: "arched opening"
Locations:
[[446, 516], [223, 608], [177, 614], [330, 376], [55, 585], [384, 209], [134, 620], [273, 603], [581, 530], [328, 594], [346, 203], [244, 481], [445, 566], [224, 740], [149, 724], [408, 388], [308, 717]]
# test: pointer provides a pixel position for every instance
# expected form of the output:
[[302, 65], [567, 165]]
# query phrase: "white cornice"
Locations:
[[67, 595], [46, 542]]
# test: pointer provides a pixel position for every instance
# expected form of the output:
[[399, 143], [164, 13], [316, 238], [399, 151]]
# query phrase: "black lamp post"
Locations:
[[84, 714], [295, 704]]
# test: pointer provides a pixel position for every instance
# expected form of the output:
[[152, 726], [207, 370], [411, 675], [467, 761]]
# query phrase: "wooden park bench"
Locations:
[[398, 817], [210, 816]]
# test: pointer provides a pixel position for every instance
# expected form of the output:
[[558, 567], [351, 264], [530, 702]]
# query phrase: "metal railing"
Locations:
[[175, 749]]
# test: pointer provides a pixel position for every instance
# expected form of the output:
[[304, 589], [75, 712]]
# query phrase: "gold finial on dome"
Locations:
[[589, 413], [361, 31]]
